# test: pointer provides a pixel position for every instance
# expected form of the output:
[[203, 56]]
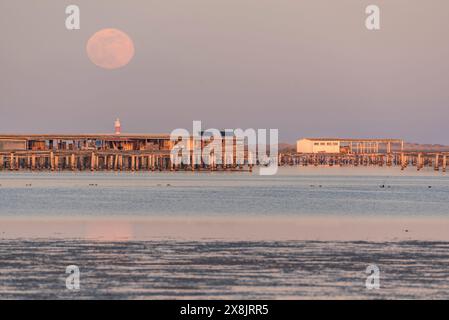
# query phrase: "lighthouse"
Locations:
[[118, 128]]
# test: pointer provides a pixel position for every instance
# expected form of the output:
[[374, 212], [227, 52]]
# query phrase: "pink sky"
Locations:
[[308, 68]]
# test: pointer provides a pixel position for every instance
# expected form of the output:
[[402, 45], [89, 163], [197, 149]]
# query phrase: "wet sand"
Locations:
[[223, 270], [229, 228]]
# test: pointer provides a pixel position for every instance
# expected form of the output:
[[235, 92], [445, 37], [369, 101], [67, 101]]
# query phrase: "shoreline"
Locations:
[[376, 229]]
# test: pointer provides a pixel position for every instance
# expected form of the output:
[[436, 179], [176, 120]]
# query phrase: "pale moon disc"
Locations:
[[110, 48]]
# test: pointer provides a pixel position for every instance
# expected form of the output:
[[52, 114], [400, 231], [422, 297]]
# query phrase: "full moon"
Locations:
[[110, 48]]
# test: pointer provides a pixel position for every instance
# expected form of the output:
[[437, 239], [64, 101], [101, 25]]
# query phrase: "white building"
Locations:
[[337, 145], [318, 146]]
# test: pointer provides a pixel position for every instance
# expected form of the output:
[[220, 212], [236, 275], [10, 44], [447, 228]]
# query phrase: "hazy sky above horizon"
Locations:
[[306, 67]]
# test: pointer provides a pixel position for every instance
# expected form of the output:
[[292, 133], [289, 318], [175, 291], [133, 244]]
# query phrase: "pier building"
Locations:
[[348, 146], [116, 151]]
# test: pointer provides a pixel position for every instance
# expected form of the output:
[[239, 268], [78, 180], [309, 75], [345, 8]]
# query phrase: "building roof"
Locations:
[[353, 139], [98, 136]]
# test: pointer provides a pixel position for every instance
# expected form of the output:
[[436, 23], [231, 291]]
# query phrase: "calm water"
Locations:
[[296, 192], [161, 269]]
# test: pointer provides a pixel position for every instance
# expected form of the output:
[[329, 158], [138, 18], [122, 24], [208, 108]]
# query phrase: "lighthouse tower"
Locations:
[[118, 127]]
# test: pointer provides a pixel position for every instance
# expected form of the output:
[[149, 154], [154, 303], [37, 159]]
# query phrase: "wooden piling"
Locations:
[[11, 161], [116, 162], [133, 163], [52, 161], [73, 162], [92, 162], [437, 162], [56, 162], [404, 161], [444, 162]]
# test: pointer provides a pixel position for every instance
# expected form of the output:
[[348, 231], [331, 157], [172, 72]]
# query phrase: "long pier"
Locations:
[[137, 152], [435, 160], [101, 152], [103, 161], [136, 160], [85, 160]]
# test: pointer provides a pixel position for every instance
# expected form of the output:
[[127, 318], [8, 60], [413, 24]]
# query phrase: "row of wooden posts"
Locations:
[[98, 161], [84, 161], [401, 159], [135, 161]]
